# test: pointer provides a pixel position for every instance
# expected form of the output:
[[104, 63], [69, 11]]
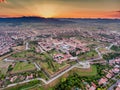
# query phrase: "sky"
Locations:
[[61, 8]]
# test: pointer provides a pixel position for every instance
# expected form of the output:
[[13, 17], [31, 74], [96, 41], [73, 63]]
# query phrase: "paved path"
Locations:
[[111, 46], [27, 46], [59, 75], [42, 51], [46, 82], [100, 55], [98, 52], [37, 66], [111, 87], [97, 62]]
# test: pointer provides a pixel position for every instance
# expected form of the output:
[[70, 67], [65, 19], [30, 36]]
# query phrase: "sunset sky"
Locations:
[[61, 8]]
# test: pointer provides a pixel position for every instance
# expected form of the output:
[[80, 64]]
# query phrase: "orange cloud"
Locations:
[[3, 1], [115, 14], [85, 14]]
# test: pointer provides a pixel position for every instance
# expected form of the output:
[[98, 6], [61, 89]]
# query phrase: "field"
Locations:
[[82, 72], [22, 67], [26, 53], [49, 64], [4, 67], [88, 55], [86, 72], [20, 48], [104, 50], [22, 54], [25, 86], [45, 59], [115, 48]]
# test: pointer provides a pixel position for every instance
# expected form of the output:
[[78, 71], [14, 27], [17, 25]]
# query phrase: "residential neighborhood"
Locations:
[[59, 56]]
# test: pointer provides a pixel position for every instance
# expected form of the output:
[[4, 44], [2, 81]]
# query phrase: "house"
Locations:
[[118, 87], [109, 75], [61, 57], [1, 83], [29, 77], [13, 78], [92, 88], [102, 81], [116, 70]]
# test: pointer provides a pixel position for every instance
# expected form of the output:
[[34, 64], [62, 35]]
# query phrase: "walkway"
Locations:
[[59, 75]]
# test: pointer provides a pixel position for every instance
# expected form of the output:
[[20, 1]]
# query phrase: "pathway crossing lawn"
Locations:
[[22, 67], [86, 72]]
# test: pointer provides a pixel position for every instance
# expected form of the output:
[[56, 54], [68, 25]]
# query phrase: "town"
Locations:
[[58, 55]]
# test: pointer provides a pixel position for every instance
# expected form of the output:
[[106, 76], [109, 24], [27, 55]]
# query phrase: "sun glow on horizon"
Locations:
[[47, 11]]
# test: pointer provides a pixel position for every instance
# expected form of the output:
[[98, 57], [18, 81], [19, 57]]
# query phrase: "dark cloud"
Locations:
[[118, 11], [115, 14]]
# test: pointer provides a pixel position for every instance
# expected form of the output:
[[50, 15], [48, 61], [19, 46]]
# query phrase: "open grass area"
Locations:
[[22, 54], [49, 64], [20, 48], [4, 67], [28, 55], [53, 51], [88, 55], [25, 53], [86, 72], [22, 67], [104, 50], [115, 48], [26, 86]]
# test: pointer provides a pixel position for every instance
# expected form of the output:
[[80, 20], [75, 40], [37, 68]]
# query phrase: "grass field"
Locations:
[[22, 54], [22, 67], [104, 50], [4, 67], [88, 55], [19, 48], [86, 72], [49, 64], [25, 86]]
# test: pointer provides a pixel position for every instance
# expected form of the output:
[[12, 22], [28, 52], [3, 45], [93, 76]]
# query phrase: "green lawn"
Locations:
[[49, 64], [4, 67], [25, 86], [22, 54], [88, 72], [25, 53], [22, 67], [115, 48], [88, 55], [91, 53]]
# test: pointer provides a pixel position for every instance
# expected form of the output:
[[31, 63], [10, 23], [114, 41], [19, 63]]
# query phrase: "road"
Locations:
[[97, 62], [96, 49], [46, 82], [59, 75], [111, 46], [27, 46], [38, 67], [42, 51], [111, 87], [100, 55]]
